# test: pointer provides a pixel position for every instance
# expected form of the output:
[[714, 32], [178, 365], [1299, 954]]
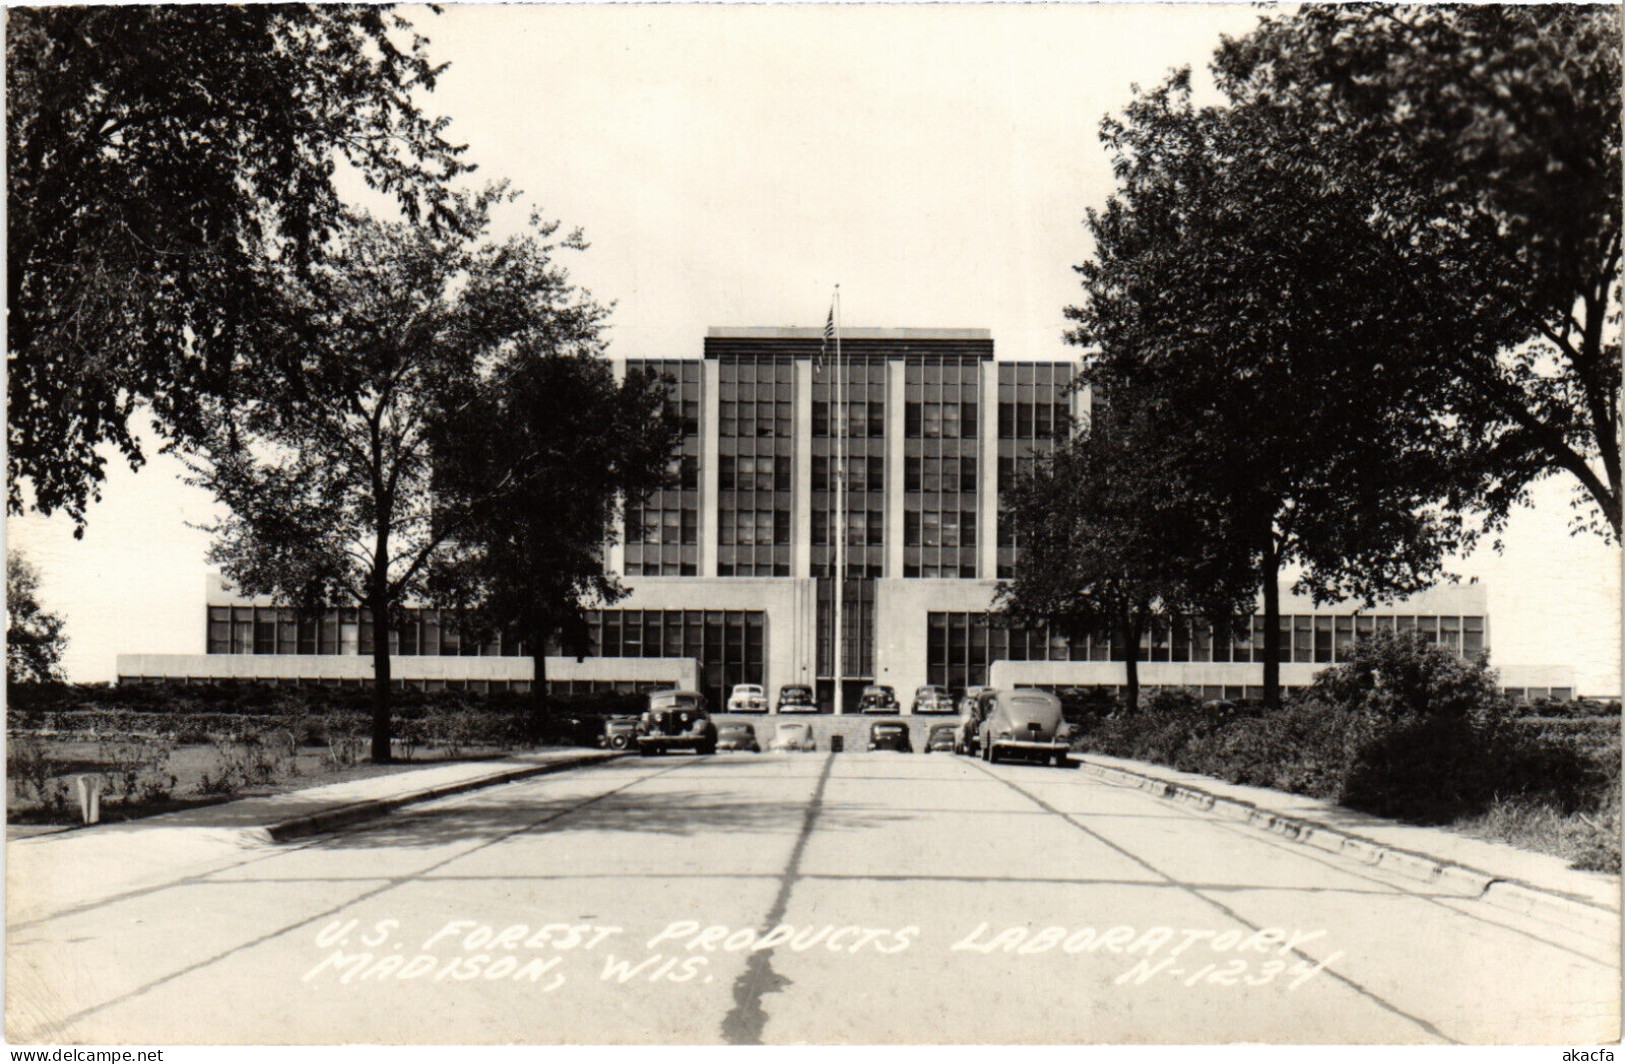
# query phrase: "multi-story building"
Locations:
[[734, 577]]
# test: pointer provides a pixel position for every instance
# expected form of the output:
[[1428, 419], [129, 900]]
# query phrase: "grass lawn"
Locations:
[[312, 766]]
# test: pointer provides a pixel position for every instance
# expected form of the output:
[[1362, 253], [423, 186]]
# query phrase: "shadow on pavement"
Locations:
[[687, 812]]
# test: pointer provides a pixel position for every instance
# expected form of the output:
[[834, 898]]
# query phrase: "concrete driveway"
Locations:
[[800, 898]]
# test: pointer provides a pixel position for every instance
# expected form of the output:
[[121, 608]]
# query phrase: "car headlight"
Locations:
[[1004, 735]]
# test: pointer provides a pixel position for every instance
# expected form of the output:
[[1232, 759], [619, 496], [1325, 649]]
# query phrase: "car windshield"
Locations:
[[733, 729], [795, 694], [664, 702], [792, 729], [747, 689]]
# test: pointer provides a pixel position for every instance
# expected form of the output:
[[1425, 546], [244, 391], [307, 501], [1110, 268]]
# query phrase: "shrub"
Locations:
[[1401, 674], [253, 758], [137, 769], [36, 770]]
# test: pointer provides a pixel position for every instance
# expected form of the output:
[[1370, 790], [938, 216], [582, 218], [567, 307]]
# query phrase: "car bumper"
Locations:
[[672, 742], [1027, 746]]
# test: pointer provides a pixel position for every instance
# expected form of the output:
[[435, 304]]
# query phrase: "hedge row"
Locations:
[[200, 713], [265, 698]]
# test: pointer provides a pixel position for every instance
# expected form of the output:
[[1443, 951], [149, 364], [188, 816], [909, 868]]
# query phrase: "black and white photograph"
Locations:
[[937, 525]]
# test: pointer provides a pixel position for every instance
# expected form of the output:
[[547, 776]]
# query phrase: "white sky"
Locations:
[[730, 165]]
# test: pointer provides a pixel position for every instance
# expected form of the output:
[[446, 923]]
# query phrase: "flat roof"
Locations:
[[816, 332]]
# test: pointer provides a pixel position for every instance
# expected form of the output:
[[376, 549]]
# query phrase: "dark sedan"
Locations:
[[890, 735]]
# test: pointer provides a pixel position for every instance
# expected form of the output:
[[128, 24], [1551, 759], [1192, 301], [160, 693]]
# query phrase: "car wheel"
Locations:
[[618, 742], [644, 751]]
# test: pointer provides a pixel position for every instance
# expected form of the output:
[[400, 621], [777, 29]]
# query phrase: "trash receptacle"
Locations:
[[837, 743]]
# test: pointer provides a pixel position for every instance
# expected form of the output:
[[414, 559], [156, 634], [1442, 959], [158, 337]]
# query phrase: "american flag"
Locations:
[[829, 337]]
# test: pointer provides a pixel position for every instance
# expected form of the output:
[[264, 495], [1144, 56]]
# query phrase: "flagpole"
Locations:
[[840, 504]]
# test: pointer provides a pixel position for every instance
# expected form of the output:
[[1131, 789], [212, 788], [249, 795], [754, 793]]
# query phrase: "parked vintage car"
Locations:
[[738, 736], [747, 698], [942, 737], [890, 735], [797, 698], [793, 736], [619, 733], [1024, 722], [676, 720], [877, 698], [932, 699]]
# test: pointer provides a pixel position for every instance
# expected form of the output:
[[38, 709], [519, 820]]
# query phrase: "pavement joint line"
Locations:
[[1507, 894]]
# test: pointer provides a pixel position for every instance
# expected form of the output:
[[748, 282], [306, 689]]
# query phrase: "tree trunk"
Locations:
[[1131, 630], [378, 604], [538, 671], [1272, 625]]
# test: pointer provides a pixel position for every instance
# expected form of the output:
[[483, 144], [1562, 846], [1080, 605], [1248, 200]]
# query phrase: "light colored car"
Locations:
[[797, 698], [747, 698], [942, 737], [619, 733], [932, 698], [738, 736], [792, 737], [1024, 723]]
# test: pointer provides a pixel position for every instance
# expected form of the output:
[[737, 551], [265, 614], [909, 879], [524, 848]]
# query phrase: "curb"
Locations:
[[345, 815], [1470, 883]]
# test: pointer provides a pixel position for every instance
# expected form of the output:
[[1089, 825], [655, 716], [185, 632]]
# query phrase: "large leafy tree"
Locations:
[[1249, 300], [1485, 140], [334, 493], [34, 639], [534, 554], [161, 160], [1115, 536]]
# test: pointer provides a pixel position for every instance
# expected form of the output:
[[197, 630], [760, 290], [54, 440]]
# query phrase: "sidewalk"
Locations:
[[1534, 884], [62, 870]]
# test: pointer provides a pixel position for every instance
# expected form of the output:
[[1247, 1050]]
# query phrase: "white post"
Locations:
[[90, 798]]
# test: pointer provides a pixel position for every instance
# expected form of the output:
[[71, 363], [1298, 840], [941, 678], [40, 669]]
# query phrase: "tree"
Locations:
[[1114, 537], [1290, 343], [334, 493], [1486, 141], [165, 163], [34, 639], [533, 555]]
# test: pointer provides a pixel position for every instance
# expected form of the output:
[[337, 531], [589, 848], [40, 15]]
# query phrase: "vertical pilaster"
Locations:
[[801, 495], [710, 409], [987, 497], [896, 400]]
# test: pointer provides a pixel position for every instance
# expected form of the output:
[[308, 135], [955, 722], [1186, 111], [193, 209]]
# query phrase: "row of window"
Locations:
[[753, 473], [944, 473], [761, 418], [754, 527], [865, 419], [864, 528], [863, 473], [280, 630], [1034, 421], [965, 644], [729, 644]]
